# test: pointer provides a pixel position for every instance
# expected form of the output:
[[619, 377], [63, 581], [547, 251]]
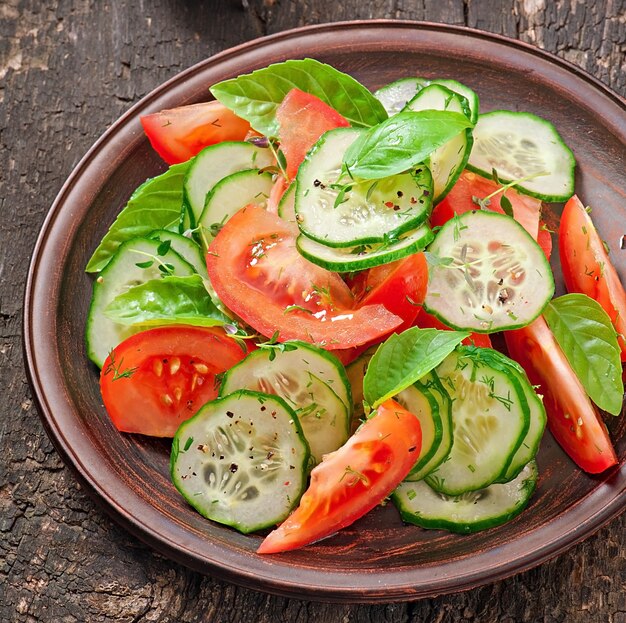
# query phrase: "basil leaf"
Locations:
[[405, 358], [401, 142], [586, 336], [169, 300], [256, 96], [156, 204]]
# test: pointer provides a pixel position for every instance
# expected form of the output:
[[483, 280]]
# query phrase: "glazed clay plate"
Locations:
[[378, 558]]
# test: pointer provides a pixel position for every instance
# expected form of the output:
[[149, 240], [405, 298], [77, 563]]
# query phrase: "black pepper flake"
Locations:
[[426, 193], [233, 467], [400, 194], [263, 408], [316, 183], [412, 448], [221, 457], [413, 200], [270, 454], [230, 414], [292, 467]]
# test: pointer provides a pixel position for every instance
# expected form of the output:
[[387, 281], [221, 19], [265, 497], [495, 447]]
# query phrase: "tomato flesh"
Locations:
[[428, 321], [572, 418], [157, 379], [258, 273], [459, 200], [302, 119], [180, 133], [352, 480], [400, 286], [587, 267]]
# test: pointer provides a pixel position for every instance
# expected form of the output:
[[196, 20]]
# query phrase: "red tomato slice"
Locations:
[[459, 200], [180, 133], [427, 321], [278, 190], [352, 480], [587, 267], [400, 286], [572, 418], [302, 119], [544, 239], [258, 273], [157, 379]]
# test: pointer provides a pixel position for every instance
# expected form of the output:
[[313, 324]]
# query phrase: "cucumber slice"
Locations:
[[295, 374], [490, 419], [447, 162], [116, 277], [356, 372], [241, 460], [214, 163], [287, 204], [419, 400], [230, 194], [432, 384], [469, 512], [530, 445], [394, 96], [350, 259], [370, 211], [187, 248], [498, 276], [518, 145]]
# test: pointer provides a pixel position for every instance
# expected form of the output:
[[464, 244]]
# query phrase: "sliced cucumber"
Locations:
[[287, 204], [518, 145], [469, 512], [295, 374], [459, 88], [349, 259], [342, 214], [230, 194], [419, 400], [241, 460], [447, 162], [496, 276], [395, 96], [433, 385], [490, 420], [187, 248], [121, 273], [213, 164], [356, 372]]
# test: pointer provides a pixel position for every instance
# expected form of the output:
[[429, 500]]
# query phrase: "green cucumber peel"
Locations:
[[586, 336], [169, 300], [256, 96], [401, 142], [405, 358], [156, 204]]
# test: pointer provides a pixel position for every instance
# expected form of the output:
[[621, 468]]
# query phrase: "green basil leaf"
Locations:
[[401, 142], [586, 336], [256, 96], [405, 358], [156, 204], [169, 300]]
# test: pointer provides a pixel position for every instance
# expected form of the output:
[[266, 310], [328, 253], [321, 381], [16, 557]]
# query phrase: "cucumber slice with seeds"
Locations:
[[350, 259], [231, 194], [366, 212], [241, 460], [518, 145], [310, 380], [490, 419], [469, 512], [214, 163], [447, 162], [497, 277]]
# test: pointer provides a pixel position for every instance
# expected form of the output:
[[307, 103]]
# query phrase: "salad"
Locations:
[[305, 300]]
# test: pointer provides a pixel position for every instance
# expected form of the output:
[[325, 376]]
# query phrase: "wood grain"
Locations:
[[66, 72]]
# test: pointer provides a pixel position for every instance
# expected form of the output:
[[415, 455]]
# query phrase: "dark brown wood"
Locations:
[[58, 548]]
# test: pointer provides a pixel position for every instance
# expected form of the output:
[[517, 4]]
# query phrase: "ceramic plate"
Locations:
[[378, 558]]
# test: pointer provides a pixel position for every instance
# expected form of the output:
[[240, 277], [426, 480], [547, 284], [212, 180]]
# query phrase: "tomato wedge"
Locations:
[[400, 286], [256, 270], [428, 321], [302, 119], [352, 480], [572, 418], [157, 379], [587, 267], [180, 133], [459, 200]]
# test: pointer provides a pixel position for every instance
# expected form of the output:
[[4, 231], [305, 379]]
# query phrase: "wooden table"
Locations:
[[68, 69]]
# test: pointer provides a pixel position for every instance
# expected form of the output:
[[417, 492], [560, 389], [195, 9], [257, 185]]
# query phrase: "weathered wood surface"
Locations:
[[68, 68]]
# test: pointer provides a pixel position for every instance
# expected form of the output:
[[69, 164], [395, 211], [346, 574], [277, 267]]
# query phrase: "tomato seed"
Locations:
[[178, 392], [167, 400], [157, 367], [174, 365], [201, 368]]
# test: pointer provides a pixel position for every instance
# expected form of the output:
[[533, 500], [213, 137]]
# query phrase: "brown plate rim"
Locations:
[[274, 574]]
